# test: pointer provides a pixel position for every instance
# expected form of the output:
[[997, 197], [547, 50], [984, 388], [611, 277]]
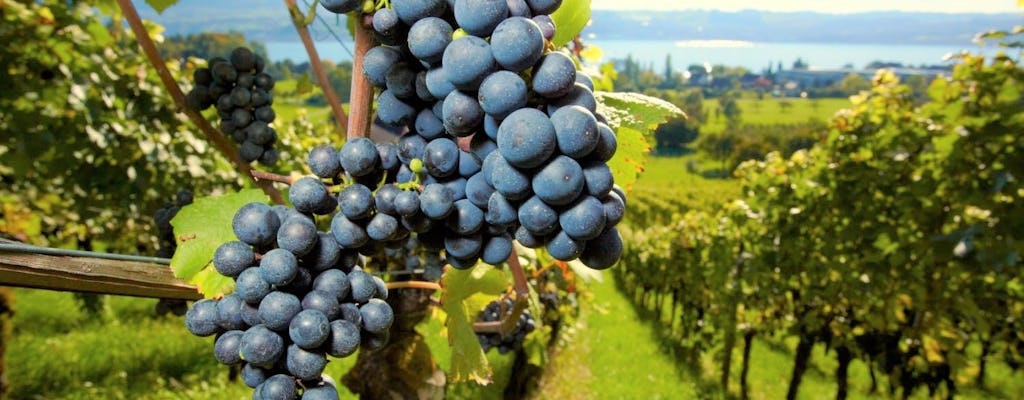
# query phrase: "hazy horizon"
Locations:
[[939, 6]]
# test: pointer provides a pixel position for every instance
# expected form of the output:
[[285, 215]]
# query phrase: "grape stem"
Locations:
[[465, 143], [260, 176], [341, 120], [361, 103], [212, 134], [508, 323], [413, 285]]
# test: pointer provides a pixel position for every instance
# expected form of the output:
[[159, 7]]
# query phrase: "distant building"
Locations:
[[812, 78]]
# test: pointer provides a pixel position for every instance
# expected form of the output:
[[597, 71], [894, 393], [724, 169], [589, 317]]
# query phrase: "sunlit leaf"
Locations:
[[199, 229], [640, 112], [570, 19], [465, 294], [630, 156], [592, 53], [161, 5]]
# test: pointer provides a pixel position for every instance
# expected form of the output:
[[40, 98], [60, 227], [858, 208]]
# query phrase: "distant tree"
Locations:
[[206, 45], [668, 67], [853, 84], [785, 106], [648, 79], [675, 134], [883, 64], [730, 109], [628, 75], [340, 76], [693, 105], [919, 85], [799, 64]]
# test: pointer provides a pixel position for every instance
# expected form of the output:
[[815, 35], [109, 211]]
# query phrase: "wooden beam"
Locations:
[[93, 275]]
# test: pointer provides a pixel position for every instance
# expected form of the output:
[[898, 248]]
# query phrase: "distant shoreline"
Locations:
[[754, 56]]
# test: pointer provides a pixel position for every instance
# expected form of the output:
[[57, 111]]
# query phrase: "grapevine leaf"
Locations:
[[465, 294], [630, 156], [199, 229], [535, 345], [570, 19], [161, 5], [592, 53], [212, 284], [634, 110]]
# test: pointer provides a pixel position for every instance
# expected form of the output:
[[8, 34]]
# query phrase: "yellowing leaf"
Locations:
[[933, 351], [630, 156], [199, 229], [212, 284], [592, 53]]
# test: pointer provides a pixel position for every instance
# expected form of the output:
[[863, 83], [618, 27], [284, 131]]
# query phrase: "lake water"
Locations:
[[753, 56]]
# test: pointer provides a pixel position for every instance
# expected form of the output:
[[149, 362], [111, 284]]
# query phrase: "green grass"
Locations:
[[613, 354], [619, 353], [60, 352], [769, 111], [289, 106]]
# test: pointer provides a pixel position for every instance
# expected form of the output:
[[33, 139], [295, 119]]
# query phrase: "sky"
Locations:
[[826, 6]]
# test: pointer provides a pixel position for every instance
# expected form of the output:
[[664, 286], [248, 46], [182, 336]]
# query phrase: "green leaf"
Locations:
[[212, 284], [634, 110], [107, 7], [161, 5], [630, 156], [99, 33], [570, 18], [199, 229], [465, 294]]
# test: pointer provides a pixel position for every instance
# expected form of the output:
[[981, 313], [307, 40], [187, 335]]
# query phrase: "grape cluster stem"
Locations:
[[318, 68], [413, 285], [264, 176], [213, 135], [361, 103]]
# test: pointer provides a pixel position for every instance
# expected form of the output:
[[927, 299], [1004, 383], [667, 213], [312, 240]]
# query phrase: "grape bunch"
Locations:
[[494, 311], [243, 96], [163, 217], [412, 257], [167, 245], [300, 294], [504, 140]]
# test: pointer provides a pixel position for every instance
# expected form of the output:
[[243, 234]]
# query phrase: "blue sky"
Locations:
[[827, 6]]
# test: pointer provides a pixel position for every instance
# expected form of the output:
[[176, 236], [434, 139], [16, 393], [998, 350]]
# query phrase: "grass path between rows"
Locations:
[[614, 355]]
